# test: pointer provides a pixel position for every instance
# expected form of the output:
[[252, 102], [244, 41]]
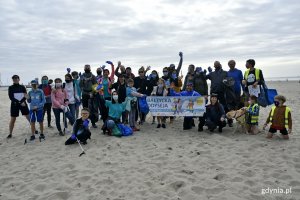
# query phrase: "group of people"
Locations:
[[117, 101]]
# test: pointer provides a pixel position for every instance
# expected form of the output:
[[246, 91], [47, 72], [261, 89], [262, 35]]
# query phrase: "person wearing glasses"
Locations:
[[141, 84], [17, 94]]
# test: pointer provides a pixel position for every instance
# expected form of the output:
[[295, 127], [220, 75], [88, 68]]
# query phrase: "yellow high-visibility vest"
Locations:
[[256, 73], [286, 116], [254, 118]]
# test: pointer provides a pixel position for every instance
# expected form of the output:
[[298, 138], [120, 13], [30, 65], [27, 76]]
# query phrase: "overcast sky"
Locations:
[[47, 36]]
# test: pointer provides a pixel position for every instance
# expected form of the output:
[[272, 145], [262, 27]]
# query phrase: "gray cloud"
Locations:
[[40, 37]]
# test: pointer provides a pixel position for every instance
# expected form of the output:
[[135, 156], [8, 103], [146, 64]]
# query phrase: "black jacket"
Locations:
[[121, 89], [16, 88], [141, 84]]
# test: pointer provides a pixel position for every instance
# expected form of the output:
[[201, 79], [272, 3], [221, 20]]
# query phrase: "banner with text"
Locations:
[[176, 105]]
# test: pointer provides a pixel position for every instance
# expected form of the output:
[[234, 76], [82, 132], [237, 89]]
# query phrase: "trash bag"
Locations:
[[144, 108], [116, 131], [262, 99], [125, 130], [271, 93]]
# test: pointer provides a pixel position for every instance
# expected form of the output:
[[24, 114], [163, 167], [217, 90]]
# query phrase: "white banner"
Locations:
[[176, 105]]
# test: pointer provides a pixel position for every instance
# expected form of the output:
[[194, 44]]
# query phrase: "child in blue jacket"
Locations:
[[36, 98]]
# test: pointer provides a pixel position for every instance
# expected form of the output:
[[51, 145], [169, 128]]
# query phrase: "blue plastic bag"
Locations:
[[271, 93], [143, 106], [125, 130]]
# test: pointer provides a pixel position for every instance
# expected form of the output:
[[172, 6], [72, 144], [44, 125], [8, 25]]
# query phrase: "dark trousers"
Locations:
[[213, 125], [68, 115], [47, 108], [139, 114], [92, 104]]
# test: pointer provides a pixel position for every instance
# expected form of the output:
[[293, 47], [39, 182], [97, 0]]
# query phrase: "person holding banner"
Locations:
[[215, 114], [188, 121], [160, 90]]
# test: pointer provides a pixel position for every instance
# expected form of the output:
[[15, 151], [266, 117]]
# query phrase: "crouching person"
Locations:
[[215, 114], [280, 118], [81, 129], [116, 108]]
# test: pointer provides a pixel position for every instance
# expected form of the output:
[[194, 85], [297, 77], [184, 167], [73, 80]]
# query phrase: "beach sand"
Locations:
[[153, 164]]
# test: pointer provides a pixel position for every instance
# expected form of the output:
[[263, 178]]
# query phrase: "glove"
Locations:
[[68, 70], [73, 136], [180, 54], [109, 62], [209, 69], [66, 109], [103, 67], [204, 71], [99, 87], [86, 123]]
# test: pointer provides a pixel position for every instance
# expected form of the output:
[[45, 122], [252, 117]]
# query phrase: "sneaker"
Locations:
[[32, 138], [9, 136], [49, 126], [220, 130], [94, 126], [42, 136], [158, 126], [61, 133], [163, 125]]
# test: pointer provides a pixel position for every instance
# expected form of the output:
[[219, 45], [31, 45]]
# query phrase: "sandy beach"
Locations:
[[154, 164]]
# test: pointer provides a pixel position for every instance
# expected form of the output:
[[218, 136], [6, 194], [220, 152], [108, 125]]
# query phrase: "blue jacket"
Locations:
[[238, 77], [184, 93], [36, 98]]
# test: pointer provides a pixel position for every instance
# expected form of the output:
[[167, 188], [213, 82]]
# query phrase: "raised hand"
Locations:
[[109, 62], [209, 69], [68, 70], [180, 54], [119, 63]]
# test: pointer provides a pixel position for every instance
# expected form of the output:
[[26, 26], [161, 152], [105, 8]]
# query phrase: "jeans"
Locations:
[[68, 115], [72, 108], [132, 117]]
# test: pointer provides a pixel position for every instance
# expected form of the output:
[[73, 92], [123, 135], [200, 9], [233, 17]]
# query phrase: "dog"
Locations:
[[239, 116]]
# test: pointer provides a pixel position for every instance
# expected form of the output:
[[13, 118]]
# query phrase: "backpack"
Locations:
[[125, 130]]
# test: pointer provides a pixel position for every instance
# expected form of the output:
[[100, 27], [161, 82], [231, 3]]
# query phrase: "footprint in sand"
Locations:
[[220, 177], [237, 179], [40, 187], [197, 189], [58, 196], [177, 185], [294, 183]]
